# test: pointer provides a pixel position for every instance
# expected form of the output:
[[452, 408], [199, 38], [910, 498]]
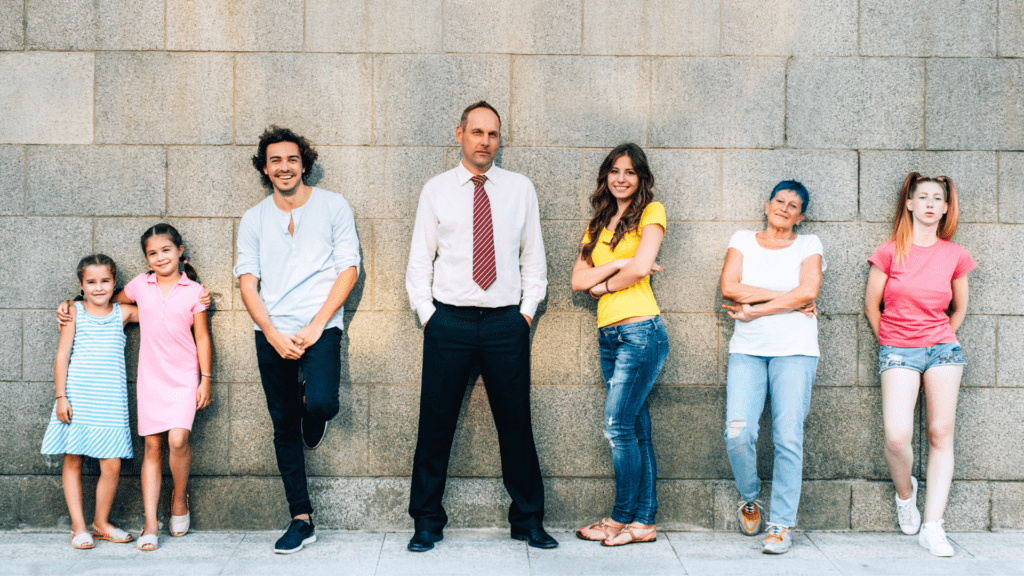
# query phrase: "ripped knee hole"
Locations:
[[735, 427]]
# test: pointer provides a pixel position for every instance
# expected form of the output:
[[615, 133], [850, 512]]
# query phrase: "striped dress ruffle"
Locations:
[[97, 391]]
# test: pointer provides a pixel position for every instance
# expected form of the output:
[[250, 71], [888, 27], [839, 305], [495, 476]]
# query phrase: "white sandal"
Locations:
[[83, 541], [179, 525], [148, 540], [116, 535]]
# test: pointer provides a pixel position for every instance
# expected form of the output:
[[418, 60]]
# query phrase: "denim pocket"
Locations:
[[637, 338], [888, 357]]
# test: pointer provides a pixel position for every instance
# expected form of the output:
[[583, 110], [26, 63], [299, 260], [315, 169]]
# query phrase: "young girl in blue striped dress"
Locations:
[[90, 417]]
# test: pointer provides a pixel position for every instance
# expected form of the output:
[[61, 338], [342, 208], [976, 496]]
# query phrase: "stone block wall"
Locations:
[[117, 114]]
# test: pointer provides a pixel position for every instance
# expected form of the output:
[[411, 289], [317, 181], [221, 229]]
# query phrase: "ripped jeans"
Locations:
[[632, 356], [787, 380]]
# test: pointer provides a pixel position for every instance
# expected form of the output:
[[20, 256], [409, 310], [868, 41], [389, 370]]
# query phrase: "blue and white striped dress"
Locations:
[[97, 390]]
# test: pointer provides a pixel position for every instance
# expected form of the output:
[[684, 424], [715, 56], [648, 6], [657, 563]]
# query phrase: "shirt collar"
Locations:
[[184, 280], [493, 174]]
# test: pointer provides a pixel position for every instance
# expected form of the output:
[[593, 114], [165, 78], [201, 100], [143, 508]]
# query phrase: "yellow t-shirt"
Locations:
[[638, 299]]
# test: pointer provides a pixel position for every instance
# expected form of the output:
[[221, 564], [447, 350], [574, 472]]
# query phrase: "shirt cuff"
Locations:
[[425, 311], [242, 269], [529, 307]]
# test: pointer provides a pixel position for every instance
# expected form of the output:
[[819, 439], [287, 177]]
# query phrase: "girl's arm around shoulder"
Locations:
[[129, 313]]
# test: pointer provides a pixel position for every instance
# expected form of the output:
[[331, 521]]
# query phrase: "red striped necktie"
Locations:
[[484, 270]]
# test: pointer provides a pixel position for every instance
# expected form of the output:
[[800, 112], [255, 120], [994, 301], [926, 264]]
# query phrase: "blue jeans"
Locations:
[[787, 380], [632, 356]]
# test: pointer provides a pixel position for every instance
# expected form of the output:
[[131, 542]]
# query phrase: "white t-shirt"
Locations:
[[788, 334]]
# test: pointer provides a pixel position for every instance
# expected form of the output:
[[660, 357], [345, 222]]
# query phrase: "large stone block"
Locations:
[[748, 177], [693, 351], [568, 430], [556, 174], [340, 84], [566, 101], [968, 506], [571, 502], [855, 103], [847, 249], [95, 25], [12, 180], [384, 348], [235, 25], [1011, 187], [236, 503], [63, 180], [997, 282], [392, 429], [391, 240], [692, 254], [234, 347], [39, 348], [555, 349], [1007, 501], [969, 102], [379, 182], [977, 337], [12, 25], [418, 100], [698, 415], [379, 27], [809, 28], [229, 185], [873, 507], [160, 98], [824, 506], [47, 98], [561, 248], [1011, 28], [843, 436], [837, 343], [355, 503], [10, 498], [988, 426], [718, 103], [208, 248], [41, 253], [1011, 351], [210, 436], [938, 28], [11, 341], [867, 354], [251, 434], [974, 173], [528, 27], [651, 28], [686, 504], [23, 419]]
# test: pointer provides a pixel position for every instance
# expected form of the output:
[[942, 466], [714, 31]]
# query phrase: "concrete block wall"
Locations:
[[117, 114]]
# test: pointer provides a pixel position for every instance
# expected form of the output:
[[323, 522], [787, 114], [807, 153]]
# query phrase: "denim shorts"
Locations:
[[919, 359]]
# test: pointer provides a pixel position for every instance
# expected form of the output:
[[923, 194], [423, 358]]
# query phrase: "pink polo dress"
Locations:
[[168, 359]]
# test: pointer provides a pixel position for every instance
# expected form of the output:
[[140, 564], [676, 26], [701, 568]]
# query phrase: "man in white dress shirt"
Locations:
[[475, 277]]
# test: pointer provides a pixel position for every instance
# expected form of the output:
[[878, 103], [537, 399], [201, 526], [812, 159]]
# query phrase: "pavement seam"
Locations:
[[380, 551], [676, 553], [231, 556], [826, 556]]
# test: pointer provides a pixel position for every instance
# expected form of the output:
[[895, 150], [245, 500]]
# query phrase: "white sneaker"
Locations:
[[906, 511], [933, 537], [778, 540]]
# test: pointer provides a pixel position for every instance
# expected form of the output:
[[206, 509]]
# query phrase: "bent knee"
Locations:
[[322, 409], [940, 435]]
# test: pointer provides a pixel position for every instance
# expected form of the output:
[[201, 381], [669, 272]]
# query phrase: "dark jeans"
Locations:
[[454, 339], [321, 369]]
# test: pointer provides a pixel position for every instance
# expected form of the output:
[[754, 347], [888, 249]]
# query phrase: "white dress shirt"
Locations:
[[441, 255]]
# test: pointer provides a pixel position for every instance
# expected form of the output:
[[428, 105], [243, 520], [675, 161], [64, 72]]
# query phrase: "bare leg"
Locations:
[[899, 396], [941, 389], [106, 487], [72, 480], [180, 461], [151, 464]]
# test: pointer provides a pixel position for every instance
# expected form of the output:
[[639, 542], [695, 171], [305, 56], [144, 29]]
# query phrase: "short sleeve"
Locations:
[[131, 289], [883, 257], [964, 264], [812, 245], [197, 306], [248, 255], [654, 213], [738, 240]]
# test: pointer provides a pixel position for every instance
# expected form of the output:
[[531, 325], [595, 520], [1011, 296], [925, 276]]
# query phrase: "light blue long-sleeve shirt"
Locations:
[[297, 272]]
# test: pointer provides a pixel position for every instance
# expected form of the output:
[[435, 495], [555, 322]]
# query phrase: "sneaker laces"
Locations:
[[937, 534], [903, 512], [748, 507], [775, 531]]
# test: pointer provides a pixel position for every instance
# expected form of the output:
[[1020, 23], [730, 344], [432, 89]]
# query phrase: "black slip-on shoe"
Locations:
[[423, 540], [313, 430], [296, 535], [535, 537]]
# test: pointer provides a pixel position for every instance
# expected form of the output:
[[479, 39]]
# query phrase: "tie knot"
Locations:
[[479, 179]]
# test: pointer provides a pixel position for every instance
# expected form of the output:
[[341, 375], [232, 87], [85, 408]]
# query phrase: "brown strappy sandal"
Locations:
[[606, 528], [650, 536]]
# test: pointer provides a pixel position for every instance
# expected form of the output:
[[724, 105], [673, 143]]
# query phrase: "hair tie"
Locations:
[[184, 260]]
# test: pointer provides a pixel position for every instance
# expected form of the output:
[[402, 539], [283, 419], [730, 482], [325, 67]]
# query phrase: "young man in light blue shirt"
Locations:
[[298, 259]]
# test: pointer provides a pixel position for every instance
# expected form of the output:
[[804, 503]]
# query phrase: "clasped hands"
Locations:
[[746, 312], [293, 346]]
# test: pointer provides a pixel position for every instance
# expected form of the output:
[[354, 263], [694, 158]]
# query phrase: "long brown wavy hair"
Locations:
[[605, 206], [903, 225]]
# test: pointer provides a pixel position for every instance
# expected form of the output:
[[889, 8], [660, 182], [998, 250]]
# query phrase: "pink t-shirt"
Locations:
[[918, 292], [168, 359]]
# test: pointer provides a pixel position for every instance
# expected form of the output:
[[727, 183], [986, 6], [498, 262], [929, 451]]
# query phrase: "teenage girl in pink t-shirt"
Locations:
[[920, 275]]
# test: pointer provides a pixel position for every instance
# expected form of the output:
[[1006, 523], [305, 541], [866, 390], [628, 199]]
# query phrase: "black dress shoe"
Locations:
[[423, 540], [535, 537]]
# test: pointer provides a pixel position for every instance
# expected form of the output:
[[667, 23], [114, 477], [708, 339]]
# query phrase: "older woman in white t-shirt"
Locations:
[[772, 279]]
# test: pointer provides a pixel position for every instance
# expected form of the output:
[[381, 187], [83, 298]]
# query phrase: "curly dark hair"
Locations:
[[605, 205], [275, 134]]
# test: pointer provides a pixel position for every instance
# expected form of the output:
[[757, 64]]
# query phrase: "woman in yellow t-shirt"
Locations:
[[615, 264]]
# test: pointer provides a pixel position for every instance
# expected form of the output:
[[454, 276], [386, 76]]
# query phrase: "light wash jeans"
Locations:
[[787, 380], [632, 356]]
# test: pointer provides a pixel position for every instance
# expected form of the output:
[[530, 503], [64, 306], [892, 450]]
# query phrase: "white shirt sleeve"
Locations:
[[532, 262], [344, 238], [248, 257], [814, 246], [419, 274]]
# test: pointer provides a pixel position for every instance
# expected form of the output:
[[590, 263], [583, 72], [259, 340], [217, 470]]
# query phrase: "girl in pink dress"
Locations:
[[174, 371]]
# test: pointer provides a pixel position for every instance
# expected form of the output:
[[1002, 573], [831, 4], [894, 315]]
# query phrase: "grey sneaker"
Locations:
[[933, 537], [778, 540], [750, 517], [906, 511]]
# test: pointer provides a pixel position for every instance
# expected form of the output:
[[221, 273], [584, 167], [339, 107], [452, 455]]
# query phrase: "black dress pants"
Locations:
[[321, 370], [499, 340]]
